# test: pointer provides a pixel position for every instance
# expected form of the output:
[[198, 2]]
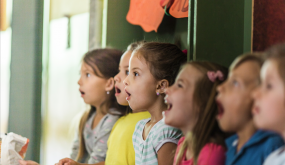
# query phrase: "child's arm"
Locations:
[[100, 145], [165, 154], [75, 148]]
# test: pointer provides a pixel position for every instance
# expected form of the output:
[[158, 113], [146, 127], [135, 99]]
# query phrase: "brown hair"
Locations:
[[255, 56], [134, 45], [277, 53], [163, 59], [131, 48], [105, 63], [206, 129]]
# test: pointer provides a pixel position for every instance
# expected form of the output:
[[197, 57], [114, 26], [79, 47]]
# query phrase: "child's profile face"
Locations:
[[234, 99], [140, 84], [91, 87], [179, 98], [269, 107], [121, 95]]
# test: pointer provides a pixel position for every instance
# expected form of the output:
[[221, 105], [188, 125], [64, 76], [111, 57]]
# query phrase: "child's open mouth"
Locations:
[[220, 110], [129, 95], [82, 93], [169, 105], [118, 91]]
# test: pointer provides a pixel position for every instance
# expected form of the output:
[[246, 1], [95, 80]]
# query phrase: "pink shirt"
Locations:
[[211, 154]]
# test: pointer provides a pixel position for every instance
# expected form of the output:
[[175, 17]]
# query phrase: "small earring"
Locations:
[[108, 92], [157, 93]]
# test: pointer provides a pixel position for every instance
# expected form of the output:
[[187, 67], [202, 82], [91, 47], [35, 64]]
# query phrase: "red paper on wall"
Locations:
[[146, 13]]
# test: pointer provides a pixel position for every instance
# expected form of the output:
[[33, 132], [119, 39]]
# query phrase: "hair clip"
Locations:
[[214, 75]]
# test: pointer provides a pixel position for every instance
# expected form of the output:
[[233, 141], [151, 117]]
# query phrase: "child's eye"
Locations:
[[136, 74], [268, 86], [235, 83], [179, 85], [127, 72], [88, 75]]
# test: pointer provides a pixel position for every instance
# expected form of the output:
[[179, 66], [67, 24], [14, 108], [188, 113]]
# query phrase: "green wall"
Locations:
[[221, 30], [120, 33], [217, 30]]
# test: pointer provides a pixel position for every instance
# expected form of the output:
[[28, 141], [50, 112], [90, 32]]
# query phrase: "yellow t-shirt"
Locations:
[[120, 146]]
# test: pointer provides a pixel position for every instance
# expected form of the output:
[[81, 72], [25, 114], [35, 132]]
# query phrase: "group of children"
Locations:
[[159, 109]]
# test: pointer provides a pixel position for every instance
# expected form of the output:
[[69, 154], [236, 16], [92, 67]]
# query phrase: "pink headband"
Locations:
[[214, 75]]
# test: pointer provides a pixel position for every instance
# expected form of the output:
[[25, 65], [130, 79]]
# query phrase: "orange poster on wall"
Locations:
[[146, 13], [3, 16], [179, 8]]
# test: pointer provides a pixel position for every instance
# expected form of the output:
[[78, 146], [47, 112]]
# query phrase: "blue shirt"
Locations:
[[255, 151]]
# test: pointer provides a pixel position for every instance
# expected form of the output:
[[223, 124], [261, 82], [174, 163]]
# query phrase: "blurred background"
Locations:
[[43, 41]]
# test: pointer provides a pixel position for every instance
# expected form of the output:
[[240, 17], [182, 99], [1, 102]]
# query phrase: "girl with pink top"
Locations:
[[192, 108]]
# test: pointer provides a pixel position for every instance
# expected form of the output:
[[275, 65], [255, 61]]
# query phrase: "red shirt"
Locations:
[[211, 154]]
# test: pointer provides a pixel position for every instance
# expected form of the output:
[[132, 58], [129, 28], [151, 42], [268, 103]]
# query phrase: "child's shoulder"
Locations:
[[109, 120], [272, 141], [267, 139], [213, 147], [160, 131], [212, 153], [277, 157], [161, 126]]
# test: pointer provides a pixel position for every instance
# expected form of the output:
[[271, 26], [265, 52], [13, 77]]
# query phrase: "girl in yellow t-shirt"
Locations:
[[120, 147]]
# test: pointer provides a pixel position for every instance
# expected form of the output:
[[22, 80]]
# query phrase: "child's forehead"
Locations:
[[269, 69], [247, 71], [137, 58], [126, 58], [189, 73]]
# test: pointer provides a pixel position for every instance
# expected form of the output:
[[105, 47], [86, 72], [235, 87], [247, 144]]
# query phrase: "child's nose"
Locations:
[[255, 93], [79, 81], [220, 87], [116, 78], [126, 82]]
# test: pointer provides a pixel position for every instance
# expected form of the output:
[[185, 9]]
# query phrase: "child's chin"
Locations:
[[166, 120], [122, 101], [259, 123]]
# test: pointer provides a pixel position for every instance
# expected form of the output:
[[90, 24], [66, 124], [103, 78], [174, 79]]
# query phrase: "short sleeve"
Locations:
[[212, 154], [165, 134]]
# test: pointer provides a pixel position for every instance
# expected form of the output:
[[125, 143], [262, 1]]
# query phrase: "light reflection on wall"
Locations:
[[5, 53], [63, 102]]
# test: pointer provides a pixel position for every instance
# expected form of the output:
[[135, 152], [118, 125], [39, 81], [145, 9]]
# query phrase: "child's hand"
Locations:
[[28, 162], [67, 161]]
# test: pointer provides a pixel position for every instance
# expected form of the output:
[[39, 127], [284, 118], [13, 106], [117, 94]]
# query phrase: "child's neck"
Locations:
[[156, 110], [101, 110], [245, 134], [100, 113], [186, 129]]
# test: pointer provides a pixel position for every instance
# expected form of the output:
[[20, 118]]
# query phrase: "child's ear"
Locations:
[[161, 86], [110, 84]]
